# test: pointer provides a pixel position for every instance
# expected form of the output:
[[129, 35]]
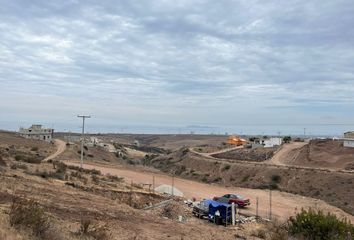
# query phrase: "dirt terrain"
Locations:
[[284, 204], [334, 187], [110, 192], [61, 147], [165, 141], [286, 152], [113, 206], [323, 154], [257, 154]]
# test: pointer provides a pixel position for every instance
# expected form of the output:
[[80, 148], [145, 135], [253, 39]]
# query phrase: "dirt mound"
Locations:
[[174, 210], [245, 154], [322, 154]]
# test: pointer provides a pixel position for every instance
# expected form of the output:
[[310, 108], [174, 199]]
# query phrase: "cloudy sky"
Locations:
[[159, 64]]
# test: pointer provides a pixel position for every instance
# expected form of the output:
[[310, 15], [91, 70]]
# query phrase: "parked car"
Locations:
[[233, 198]]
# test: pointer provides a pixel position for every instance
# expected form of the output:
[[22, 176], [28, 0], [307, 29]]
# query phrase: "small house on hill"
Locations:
[[349, 134]]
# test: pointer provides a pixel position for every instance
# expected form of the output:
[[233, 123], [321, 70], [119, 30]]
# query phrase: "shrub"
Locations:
[[313, 224], [89, 229], [60, 167], [2, 162], [276, 179], [205, 179], [28, 214], [29, 159], [34, 149], [19, 165], [245, 178], [114, 178], [95, 179], [226, 167]]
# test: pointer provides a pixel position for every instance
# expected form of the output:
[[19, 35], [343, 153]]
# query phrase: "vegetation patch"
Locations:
[[28, 214], [313, 224]]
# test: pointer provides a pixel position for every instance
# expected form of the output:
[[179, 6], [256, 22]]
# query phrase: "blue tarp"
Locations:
[[217, 206]]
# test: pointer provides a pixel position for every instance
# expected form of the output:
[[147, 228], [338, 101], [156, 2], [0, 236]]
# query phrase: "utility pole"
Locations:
[[82, 137], [304, 133]]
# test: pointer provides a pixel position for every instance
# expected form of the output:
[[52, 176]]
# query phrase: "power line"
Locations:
[[82, 137]]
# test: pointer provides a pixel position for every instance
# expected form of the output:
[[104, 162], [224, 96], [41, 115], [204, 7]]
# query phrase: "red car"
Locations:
[[233, 198]]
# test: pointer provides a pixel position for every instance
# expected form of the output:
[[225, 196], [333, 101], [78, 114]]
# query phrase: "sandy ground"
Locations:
[[61, 146], [283, 204]]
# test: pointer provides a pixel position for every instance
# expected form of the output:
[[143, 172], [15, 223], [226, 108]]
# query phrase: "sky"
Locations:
[[246, 66]]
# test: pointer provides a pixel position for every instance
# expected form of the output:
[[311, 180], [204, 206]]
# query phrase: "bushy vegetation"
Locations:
[[226, 167], [36, 159], [315, 225], [28, 214], [287, 139], [34, 149], [92, 230], [18, 166], [2, 162]]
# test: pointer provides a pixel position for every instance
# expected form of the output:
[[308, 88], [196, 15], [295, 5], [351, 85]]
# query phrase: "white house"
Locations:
[[348, 142], [271, 142], [37, 132]]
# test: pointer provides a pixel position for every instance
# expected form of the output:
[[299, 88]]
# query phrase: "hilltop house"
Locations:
[[37, 132], [349, 134], [348, 140]]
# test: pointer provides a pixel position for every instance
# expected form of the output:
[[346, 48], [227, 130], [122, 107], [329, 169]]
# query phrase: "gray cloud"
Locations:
[[191, 62]]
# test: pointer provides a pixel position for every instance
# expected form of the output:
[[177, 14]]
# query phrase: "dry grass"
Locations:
[[8, 233]]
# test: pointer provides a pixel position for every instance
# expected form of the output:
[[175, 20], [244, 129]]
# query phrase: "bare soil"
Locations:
[[333, 187], [327, 154], [257, 154]]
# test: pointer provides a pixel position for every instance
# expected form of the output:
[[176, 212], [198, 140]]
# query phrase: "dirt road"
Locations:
[[283, 204], [283, 155], [61, 146]]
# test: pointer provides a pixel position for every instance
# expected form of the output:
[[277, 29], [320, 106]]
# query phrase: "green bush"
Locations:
[[315, 225]]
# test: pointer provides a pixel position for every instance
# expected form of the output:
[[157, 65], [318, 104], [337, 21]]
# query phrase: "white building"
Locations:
[[349, 134], [37, 132], [348, 142], [271, 142]]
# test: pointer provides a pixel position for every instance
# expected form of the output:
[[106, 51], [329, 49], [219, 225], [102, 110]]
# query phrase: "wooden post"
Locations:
[[257, 215], [233, 215], [153, 183]]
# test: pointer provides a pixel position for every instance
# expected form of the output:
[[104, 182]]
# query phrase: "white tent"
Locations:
[[168, 190]]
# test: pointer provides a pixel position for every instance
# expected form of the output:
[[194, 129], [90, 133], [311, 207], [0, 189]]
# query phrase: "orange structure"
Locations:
[[234, 140]]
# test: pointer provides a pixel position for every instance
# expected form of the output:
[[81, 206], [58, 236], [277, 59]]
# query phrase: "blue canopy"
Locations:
[[217, 206], [215, 203]]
